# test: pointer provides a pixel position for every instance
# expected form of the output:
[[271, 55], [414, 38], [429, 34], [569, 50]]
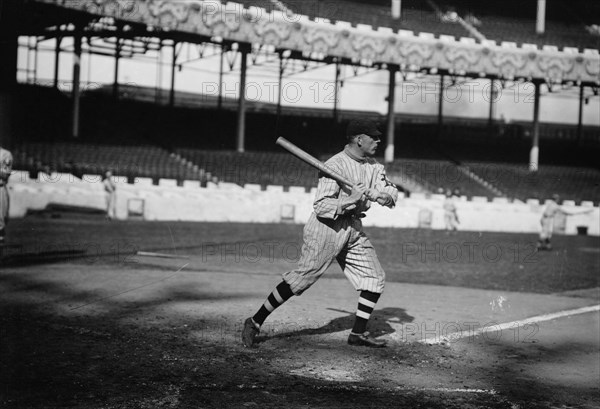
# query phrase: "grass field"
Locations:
[[86, 322], [498, 261]]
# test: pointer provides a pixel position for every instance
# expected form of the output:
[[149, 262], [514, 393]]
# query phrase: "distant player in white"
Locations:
[[334, 232], [547, 221], [450, 216], [6, 163], [111, 199]]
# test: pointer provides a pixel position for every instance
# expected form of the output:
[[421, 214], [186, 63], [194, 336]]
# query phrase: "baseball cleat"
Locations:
[[250, 331], [365, 340]]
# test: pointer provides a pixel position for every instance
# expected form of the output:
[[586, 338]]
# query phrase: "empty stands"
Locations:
[[261, 168], [416, 16], [511, 21], [80, 159], [437, 176], [573, 183]]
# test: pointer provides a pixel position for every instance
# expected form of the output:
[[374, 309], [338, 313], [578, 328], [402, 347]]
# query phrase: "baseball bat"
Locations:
[[312, 161]]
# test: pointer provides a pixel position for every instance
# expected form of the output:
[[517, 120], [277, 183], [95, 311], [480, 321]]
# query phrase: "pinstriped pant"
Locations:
[[341, 239]]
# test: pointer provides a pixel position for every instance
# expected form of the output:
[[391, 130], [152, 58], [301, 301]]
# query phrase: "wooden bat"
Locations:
[[312, 161], [316, 163]]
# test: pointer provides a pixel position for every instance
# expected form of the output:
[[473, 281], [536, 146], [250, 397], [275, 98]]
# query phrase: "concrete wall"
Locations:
[[232, 203]]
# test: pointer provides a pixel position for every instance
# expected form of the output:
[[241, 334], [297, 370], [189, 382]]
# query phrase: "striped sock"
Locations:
[[366, 304], [280, 294]]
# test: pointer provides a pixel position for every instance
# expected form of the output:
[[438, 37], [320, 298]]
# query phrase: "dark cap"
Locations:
[[362, 126]]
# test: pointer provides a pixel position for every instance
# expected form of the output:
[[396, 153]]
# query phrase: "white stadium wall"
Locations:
[[232, 203]]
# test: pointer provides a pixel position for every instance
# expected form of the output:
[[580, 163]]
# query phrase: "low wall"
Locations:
[[232, 203]]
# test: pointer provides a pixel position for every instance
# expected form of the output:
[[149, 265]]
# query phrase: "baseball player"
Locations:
[[547, 221], [6, 162], [110, 188], [334, 232], [450, 215]]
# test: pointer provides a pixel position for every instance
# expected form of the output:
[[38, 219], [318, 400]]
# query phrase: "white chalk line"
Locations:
[[499, 327], [130, 290], [449, 390]]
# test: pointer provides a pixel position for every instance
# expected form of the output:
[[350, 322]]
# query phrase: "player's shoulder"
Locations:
[[336, 159], [5, 154], [374, 162]]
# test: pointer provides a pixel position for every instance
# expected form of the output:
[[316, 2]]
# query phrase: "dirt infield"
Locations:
[[102, 327]]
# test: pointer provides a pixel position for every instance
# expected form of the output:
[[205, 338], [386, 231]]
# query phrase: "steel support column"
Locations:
[[9, 20], [220, 96], [492, 101], [534, 154], [336, 93], [241, 119], [76, 83], [391, 117], [440, 122], [173, 71], [57, 61], [279, 89], [115, 90], [580, 117]]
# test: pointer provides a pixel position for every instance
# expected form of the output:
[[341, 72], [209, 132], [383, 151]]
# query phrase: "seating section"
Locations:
[[571, 183], [416, 16], [566, 22], [437, 176], [260, 168], [522, 31], [80, 159], [270, 168], [139, 139]]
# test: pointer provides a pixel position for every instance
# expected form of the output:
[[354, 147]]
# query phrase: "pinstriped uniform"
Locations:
[[6, 162], [332, 233], [547, 221]]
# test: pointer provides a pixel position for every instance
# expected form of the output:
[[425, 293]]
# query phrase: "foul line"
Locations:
[[450, 390], [499, 327], [130, 290]]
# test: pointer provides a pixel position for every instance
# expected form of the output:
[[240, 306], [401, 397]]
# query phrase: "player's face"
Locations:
[[369, 144]]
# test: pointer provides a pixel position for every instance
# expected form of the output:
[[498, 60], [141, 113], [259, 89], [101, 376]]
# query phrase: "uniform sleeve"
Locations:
[[327, 198], [383, 184], [6, 162]]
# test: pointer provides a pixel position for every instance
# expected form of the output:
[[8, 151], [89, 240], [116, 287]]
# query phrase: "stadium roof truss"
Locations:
[[132, 27], [217, 22]]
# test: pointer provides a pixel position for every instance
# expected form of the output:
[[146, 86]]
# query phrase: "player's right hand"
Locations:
[[357, 192]]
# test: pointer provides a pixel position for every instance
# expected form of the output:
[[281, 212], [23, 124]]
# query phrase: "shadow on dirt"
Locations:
[[132, 353], [31, 259], [141, 353], [378, 324]]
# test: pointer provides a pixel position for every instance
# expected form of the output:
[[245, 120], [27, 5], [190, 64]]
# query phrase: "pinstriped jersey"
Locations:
[[358, 170], [6, 162]]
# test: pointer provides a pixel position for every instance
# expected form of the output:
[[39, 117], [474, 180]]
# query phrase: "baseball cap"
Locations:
[[362, 126]]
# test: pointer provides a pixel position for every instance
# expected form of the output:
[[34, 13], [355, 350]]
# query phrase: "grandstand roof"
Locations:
[[199, 21]]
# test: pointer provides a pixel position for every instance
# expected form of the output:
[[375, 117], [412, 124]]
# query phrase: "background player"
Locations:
[[552, 209], [110, 188], [450, 215], [6, 162], [334, 231]]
